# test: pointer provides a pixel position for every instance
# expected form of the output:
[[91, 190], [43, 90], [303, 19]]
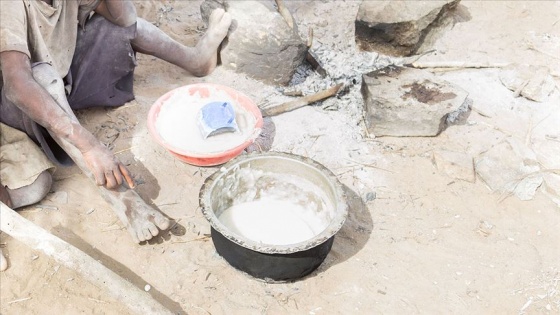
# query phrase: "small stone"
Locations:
[[455, 165], [370, 196], [147, 287], [322, 23]]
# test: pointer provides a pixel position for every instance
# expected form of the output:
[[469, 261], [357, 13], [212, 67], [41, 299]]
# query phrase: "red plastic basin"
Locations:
[[196, 158]]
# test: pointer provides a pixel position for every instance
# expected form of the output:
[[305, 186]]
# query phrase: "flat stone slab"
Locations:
[[408, 102]]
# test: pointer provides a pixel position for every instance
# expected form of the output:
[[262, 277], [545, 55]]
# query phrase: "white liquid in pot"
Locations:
[[273, 222]]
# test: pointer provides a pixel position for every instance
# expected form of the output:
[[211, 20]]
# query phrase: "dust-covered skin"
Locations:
[[142, 221], [199, 60], [39, 92], [32, 91]]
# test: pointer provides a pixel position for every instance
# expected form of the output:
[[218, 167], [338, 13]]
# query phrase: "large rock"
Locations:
[[406, 102], [400, 27], [260, 43]]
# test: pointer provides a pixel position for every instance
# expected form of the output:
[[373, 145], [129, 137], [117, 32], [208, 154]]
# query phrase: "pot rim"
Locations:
[[334, 226]]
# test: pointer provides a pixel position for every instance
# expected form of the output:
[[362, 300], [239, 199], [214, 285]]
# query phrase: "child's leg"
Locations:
[[199, 60]]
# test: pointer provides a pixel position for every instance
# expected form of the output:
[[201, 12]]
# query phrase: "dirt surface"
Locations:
[[416, 241]]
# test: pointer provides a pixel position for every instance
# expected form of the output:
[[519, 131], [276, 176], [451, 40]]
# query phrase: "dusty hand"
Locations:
[[106, 168]]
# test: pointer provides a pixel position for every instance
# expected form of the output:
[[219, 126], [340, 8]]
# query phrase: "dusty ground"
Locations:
[[427, 243]]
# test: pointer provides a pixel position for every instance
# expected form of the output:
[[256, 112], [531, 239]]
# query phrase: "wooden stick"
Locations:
[[454, 64], [25, 231], [300, 102], [309, 56], [315, 64], [285, 13], [481, 113]]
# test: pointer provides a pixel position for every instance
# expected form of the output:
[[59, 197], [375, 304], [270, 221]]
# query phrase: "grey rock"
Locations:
[[401, 28], [207, 7], [260, 43], [408, 102], [371, 196]]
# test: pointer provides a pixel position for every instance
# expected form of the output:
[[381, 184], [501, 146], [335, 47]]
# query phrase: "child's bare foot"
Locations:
[[207, 47], [142, 221]]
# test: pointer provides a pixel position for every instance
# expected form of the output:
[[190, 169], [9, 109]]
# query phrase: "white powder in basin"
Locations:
[[177, 123], [273, 222]]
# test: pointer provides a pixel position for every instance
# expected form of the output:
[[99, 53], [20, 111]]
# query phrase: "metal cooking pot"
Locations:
[[271, 262]]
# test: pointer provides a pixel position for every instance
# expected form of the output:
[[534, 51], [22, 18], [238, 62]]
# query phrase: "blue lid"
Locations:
[[217, 117]]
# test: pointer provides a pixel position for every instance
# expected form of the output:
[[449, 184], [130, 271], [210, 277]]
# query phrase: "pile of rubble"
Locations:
[[378, 86]]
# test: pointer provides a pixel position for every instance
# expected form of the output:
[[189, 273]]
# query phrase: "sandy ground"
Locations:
[[428, 243]]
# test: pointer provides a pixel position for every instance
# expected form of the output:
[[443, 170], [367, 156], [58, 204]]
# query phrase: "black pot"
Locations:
[[277, 267], [271, 262]]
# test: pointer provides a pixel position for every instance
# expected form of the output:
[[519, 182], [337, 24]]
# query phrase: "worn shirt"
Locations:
[[43, 32]]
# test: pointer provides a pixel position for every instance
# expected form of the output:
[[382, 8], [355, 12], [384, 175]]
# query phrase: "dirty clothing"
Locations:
[[44, 33], [21, 160], [98, 74]]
